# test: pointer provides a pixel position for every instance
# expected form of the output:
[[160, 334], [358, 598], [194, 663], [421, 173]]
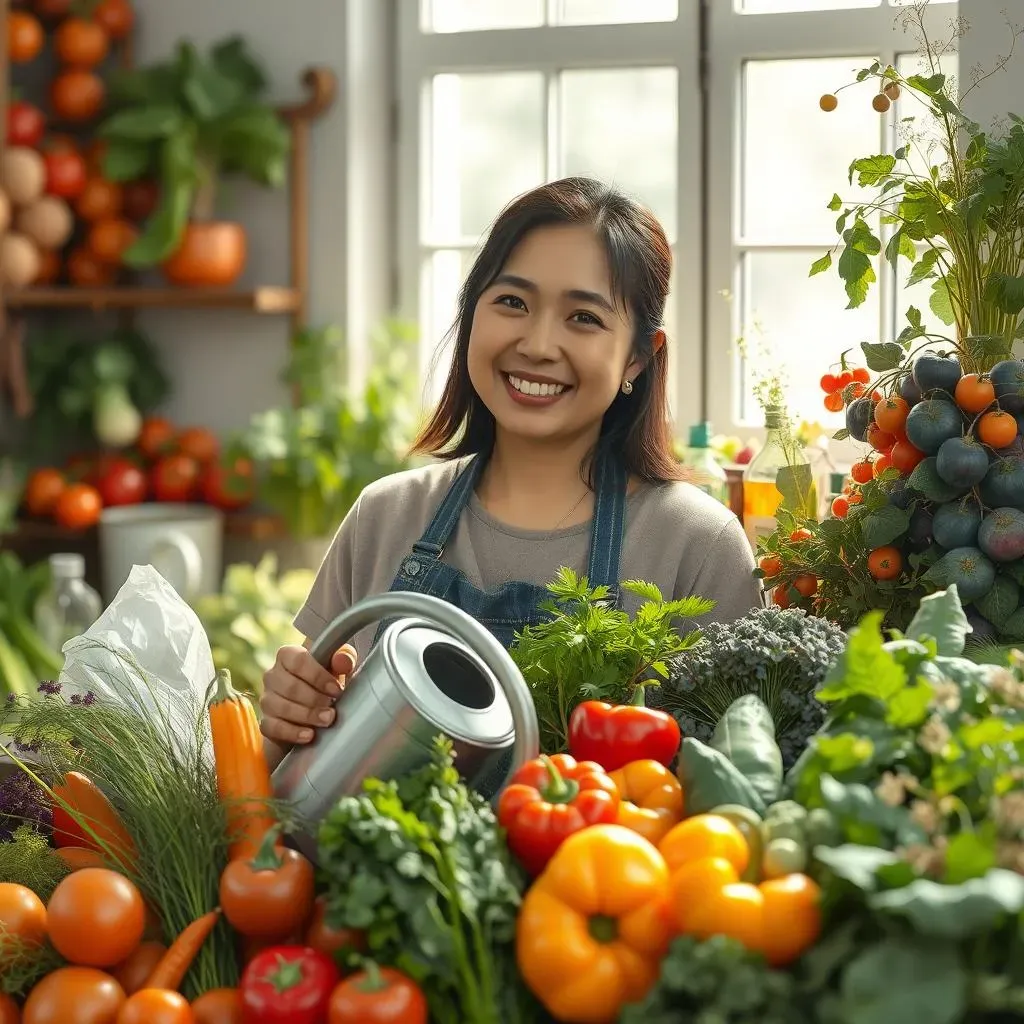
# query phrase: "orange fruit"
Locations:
[[792, 917], [705, 835]]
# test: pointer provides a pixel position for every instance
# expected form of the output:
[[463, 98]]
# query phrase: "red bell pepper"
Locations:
[[288, 983], [613, 735], [549, 799]]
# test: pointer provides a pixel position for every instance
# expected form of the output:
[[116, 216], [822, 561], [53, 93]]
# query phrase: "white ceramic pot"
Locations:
[[184, 543]]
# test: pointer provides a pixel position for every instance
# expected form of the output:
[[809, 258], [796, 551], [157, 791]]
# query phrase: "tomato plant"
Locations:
[[904, 456], [96, 917], [25, 37], [43, 489], [974, 393], [291, 983], [228, 485], [770, 565], [80, 43], [156, 437], [891, 414], [174, 478], [997, 429], [78, 507], [22, 914], [861, 472], [99, 200], [840, 506], [77, 95], [885, 563], [834, 401], [829, 383], [65, 173], [329, 940], [123, 483], [156, 1006], [25, 124], [117, 17], [806, 584], [74, 995]]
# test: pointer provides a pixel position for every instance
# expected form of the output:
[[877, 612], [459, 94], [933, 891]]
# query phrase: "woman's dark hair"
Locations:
[[637, 425]]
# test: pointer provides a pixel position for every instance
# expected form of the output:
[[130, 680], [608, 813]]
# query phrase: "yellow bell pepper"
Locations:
[[651, 798], [593, 928]]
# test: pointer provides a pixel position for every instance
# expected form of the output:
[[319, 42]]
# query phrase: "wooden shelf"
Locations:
[[267, 300]]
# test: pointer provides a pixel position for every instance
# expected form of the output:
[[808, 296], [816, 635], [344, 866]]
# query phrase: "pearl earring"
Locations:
[[627, 387]]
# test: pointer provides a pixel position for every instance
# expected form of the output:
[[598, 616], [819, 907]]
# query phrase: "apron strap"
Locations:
[[446, 518], [608, 525]]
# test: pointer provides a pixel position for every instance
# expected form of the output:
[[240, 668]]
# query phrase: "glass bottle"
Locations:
[[703, 469], [68, 606], [761, 494]]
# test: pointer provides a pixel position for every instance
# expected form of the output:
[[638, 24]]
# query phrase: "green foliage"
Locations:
[[590, 650], [187, 121]]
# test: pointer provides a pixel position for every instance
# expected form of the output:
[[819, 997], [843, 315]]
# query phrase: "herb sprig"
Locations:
[[590, 650]]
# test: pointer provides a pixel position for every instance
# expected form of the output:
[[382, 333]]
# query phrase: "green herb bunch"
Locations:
[[589, 650], [421, 866]]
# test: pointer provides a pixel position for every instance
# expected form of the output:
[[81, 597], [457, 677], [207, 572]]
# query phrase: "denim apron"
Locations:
[[512, 606]]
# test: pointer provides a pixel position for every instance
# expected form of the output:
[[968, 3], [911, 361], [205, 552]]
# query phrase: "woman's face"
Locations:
[[549, 346]]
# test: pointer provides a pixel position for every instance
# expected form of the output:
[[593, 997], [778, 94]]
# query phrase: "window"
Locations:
[[497, 97], [775, 162], [529, 101]]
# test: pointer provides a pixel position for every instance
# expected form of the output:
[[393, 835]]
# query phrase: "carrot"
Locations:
[[78, 857], [243, 779], [172, 967], [86, 804]]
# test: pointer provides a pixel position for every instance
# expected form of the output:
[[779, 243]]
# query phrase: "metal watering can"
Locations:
[[435, 671]]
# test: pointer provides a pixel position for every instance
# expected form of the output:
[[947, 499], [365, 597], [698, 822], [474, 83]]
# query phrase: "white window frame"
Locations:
[[550, 50], [736, 38]]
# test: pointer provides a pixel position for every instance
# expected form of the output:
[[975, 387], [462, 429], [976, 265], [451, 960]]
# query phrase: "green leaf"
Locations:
[[865, 667], [821, 265], [842, 753], [969, 855], [841, 434], [856, 864], [866, 818], [914, 317], [881, 356], [232, 59], [126, 161], [930, 85], [883, 526], [941, 617], [940, 302], [710, 779], [900, 244], [796, 485], [856, 270], [975, 907], [1006, 292], [871, 170], [898, 980], [1000, 602], [924, 268], [909, 708], [142, 124], [745, 734], [835, 203]]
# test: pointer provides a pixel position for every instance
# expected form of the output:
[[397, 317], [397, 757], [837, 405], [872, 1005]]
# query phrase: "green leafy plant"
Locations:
[[950, 201], [317, 454], [589, 650], [187, 122]]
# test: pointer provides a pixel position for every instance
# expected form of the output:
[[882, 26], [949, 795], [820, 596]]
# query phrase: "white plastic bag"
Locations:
[[147, 650]]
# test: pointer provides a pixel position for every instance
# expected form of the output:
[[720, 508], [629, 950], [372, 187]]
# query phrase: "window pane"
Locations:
[[487, 146], [908, 3], [787, 138], [621, 126], [614, 12], [786, 6], [474, 15], [443, 274], [803, 323]]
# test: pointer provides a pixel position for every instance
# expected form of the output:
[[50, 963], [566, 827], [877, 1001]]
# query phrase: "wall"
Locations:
[[987, 40], [225, 366]]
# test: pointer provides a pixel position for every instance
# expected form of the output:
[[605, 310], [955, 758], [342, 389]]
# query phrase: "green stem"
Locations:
[[267, 858], [372, 980], [558, 790]]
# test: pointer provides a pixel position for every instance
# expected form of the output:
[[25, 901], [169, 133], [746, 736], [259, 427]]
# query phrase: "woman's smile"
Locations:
[[530, 390]]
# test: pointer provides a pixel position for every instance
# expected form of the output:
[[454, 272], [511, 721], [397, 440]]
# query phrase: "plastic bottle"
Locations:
[[761, 495], [703, 469], [68, 606]]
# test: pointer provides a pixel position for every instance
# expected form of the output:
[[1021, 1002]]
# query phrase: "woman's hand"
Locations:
[[299, 695]]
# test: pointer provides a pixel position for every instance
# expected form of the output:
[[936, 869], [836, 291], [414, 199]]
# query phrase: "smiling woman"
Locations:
[[552, 445]]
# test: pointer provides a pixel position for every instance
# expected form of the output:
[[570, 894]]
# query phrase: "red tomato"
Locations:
[[78, 507], [378, 995], [25, 124], [44, 487], [116, 16], [175, 478], [65, 174], [156, 438], [198, 443], [140, 199], [123, 483], [292, 983], [229, 485]]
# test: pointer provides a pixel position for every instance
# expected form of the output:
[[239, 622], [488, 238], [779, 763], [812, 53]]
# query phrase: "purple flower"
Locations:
[[51, 688], [89, 698], [22, 802]]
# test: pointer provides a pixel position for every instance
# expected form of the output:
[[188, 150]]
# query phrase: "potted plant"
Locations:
[[188, 122]]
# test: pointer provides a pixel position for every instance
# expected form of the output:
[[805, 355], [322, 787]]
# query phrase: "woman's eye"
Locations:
[[587, 319], [512, 301]]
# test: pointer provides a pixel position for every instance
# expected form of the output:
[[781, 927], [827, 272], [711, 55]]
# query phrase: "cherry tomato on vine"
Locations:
[[834, 402], [862, 472], [770, 565], [885, 563], [829, 383], [861, 374], [800, 535], [840, 506]]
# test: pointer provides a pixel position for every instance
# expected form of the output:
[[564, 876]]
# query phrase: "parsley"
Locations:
[[420, 864], [590, 650]]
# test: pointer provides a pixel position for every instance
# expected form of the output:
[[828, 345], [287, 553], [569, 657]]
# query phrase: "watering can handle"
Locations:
[[526, 744]]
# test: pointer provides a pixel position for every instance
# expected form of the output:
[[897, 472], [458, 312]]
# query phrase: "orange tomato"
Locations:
[[116, 16], [198, 443], [770, 565], [844, 379], [77, 95], [855, 497], [9, 1012], [109, 238], [43, 489], [997, 429], [840, 507], [705, 835], [156, 438], [862, 472], [834, 402], [79, 43], [792, 917], [73, 994], [780, 596], [735, 910], [800, 534], [904, 456], [806, 585], [156, 1006], [22, 914], [78, 507], [862, 375], [882, 463], [974, 393], [691, 882], [891, 414], [879, 439], [326, 939], [25, 37], [218, 1006], [49, 268], [100, 200], [885, 563], [85, 271]]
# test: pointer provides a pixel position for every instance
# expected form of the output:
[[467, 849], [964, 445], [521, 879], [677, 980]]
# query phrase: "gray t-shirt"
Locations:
[[676, 537]]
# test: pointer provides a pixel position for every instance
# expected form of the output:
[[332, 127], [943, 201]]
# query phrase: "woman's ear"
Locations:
[[657, 340], [636, 366]]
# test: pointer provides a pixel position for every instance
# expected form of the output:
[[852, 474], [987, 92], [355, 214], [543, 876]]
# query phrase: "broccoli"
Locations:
[[781, 654]]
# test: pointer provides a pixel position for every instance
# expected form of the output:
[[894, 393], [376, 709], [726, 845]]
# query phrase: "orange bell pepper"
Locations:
[[651, 798], [593, 928]]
